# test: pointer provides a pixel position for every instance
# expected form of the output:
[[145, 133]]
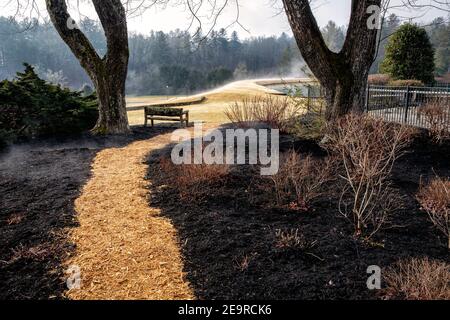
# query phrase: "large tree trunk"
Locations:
[[109, 73], [345, 93], [342, 75], [112, 106]]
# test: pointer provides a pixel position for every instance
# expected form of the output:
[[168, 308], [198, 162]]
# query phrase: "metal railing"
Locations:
[[408, 105]]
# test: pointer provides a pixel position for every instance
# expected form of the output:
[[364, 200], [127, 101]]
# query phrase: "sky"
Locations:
[[256, 17]]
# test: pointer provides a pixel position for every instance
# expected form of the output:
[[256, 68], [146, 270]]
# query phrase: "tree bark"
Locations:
[[342, 75], [108, 73]]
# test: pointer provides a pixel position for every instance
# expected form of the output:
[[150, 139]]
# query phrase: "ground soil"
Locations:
[[39, 182], [229, 240]]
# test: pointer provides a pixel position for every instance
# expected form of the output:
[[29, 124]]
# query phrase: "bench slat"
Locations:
[[164, 119], [159, 111]]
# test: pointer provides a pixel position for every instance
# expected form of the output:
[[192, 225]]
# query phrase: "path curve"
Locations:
[[124, 248]]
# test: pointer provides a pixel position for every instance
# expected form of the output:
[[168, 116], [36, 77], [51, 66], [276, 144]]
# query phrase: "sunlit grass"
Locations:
[[206, 112], [212, 110]]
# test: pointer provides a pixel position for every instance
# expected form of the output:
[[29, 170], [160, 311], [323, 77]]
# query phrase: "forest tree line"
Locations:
[[179, 62]]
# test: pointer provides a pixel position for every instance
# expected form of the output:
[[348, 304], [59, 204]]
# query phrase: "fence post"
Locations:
[[367, 98], [308, 107], [407, 104]]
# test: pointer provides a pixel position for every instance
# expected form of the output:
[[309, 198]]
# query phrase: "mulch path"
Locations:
[[39, 184]]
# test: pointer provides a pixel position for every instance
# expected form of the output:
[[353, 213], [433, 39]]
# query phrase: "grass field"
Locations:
[[212, 109], [211, 112]]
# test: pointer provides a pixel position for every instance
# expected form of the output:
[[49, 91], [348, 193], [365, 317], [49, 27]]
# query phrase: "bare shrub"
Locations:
[[379, 79], [200, 174], [192, 180], [418, 279], [405, 83], [435, 200], [368, 148], [310, 125], [244, 262], [437, 116], [241, 113], [300, 180], [37, 253], [276, 112], [292, 239], [15, 219]]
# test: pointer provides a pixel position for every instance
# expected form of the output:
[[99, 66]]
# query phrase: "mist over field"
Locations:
[[179, 62]]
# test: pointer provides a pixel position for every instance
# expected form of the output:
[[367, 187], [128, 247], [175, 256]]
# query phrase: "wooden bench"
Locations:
[[166, 114]]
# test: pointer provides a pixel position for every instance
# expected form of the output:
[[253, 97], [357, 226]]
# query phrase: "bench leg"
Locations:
[[153, 122], [187, 119]]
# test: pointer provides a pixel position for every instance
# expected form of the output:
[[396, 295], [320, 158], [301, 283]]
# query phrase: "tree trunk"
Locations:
[[109, 73], [342, 75], [345, 95], [112, 107]]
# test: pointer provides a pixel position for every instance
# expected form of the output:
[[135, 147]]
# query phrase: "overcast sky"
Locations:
[[259, 17]]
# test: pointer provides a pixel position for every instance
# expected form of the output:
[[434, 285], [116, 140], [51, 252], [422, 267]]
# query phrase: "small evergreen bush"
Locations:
[[31, 107], [409, 55]]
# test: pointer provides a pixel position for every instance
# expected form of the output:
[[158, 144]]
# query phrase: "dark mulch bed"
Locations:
[[220, 232], [39, 182]]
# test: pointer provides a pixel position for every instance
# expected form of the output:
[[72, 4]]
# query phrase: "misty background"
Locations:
[[184, 60]]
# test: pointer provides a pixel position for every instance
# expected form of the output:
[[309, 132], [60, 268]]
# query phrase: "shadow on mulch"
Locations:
[[39, 182], [228, 241]]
